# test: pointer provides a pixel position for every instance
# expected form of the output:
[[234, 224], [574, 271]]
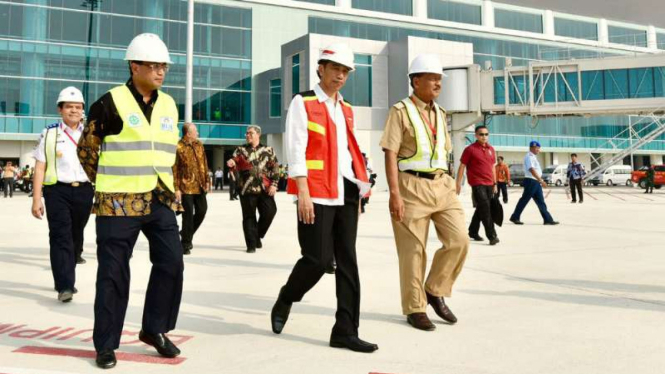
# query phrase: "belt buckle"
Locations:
[[76, 184]]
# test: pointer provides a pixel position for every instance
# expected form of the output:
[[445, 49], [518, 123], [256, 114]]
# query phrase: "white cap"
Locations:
[[149, 48], [339, 53], [426, 63], [70, 95]]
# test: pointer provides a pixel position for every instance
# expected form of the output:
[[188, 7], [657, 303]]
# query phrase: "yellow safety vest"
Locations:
[[143, 152], [50, 141], [428, 157]]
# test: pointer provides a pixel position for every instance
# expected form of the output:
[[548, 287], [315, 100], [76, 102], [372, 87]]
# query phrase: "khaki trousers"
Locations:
[[426, 200]]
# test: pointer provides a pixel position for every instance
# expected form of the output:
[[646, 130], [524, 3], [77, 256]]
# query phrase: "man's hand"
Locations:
[[543, 183], [458, 187], [178, 197], [305, 208], [495, 189], [396, 206], [37, 208], [272, 190], [230, 163]]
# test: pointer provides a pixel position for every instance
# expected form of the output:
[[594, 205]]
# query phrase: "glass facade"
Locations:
[[295, 74], [453, 11], [275, 98], [404, 7], [358, 88], [627, 36], [46, 45], [513, 20], [660, 39], [575, 29]]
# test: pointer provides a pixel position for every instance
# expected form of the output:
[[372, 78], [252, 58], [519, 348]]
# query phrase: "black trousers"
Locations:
[[576, 186], [255, 230], [195, 207], [333, 234], [116, 237], [503, 189], [481, 200], [9, 186], [219, 182], [233, 193], [67, 212]]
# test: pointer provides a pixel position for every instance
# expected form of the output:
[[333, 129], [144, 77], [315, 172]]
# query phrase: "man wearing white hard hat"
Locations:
[[67, 192], [417, 144], [327, 176], [128, 149]]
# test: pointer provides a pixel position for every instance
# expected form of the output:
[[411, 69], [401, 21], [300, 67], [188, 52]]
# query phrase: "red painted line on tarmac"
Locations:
[[121, 356]]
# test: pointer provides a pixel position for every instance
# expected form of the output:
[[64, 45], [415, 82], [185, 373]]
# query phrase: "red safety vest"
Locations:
[[321, 153]]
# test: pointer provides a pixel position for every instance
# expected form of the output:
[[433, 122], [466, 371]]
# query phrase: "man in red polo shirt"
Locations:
[[479, 159]]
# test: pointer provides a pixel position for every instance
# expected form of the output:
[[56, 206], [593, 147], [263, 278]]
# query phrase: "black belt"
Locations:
[[74, 184], [420, 174]]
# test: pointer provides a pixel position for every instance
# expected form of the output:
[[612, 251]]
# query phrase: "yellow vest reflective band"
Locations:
[[50, 140], [143, 152], [428, 158]]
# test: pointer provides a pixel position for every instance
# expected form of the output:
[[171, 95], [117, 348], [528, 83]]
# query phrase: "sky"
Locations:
[[632, 11]]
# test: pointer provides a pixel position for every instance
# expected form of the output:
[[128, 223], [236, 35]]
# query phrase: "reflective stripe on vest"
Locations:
[[425, 160], [144, 151], [50, 141]]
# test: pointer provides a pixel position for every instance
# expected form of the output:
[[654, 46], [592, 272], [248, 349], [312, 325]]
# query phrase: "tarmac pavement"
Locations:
[[587, 296]]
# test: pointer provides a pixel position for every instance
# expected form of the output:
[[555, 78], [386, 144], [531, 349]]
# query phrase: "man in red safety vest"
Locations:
[[328, 177]]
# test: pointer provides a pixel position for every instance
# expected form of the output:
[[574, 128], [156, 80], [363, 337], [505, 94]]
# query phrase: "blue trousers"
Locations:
[[532, 190]]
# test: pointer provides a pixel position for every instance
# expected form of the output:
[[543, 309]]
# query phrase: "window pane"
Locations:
[[275, 97], [387, 6], [660, 39], [624, 35], [509, 19], [575, 29], [358, 88], [295, 74], [616, 84], [324, 2], [453, 11]]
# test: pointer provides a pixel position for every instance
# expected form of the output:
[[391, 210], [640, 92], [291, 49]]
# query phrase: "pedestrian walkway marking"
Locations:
[[82, 353]]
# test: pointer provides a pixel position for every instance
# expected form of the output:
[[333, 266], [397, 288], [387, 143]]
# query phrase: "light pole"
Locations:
[[189, 72], [94, 5]]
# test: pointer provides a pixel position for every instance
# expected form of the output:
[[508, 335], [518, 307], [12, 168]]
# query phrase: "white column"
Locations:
[[488, 14], [420, 9], [343, 4], [603, 33], [548, 23], [652, 42], [189, 69]]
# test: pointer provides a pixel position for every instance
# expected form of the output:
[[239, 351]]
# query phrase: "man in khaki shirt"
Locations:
[[416, 145]]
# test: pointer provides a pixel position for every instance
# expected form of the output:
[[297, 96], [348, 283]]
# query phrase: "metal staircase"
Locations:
[[627, 142]]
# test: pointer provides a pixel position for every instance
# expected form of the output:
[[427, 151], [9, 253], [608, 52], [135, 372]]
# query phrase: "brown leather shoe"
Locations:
[[420, 321], [441, 309]]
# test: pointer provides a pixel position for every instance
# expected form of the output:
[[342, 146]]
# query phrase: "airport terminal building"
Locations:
[[251, 56]]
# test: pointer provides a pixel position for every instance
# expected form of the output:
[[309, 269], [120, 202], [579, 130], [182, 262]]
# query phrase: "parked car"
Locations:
[[639, 176], [556, 175], [516, 174]]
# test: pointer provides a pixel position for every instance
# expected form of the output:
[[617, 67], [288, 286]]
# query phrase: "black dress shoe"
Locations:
[[420, 321], [161, 343], [494, 241], [251, 250], [106, 359], [476, 237], [516, 221], [441, 309], [331, 267], [553, 223], [353, 343], [80, 260], [279, 315]]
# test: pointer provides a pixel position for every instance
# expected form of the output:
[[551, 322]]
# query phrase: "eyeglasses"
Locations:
[[155, 66], [484, 134]]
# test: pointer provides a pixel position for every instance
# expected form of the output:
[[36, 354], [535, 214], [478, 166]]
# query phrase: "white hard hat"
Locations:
[[149, 48], [426, 63], [339, 53], [70, 95]]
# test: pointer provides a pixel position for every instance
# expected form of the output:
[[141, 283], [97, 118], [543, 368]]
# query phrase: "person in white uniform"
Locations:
[[67, 192]]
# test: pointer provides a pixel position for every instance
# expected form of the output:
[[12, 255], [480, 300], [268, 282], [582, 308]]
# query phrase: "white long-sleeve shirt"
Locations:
[[297, 137]]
